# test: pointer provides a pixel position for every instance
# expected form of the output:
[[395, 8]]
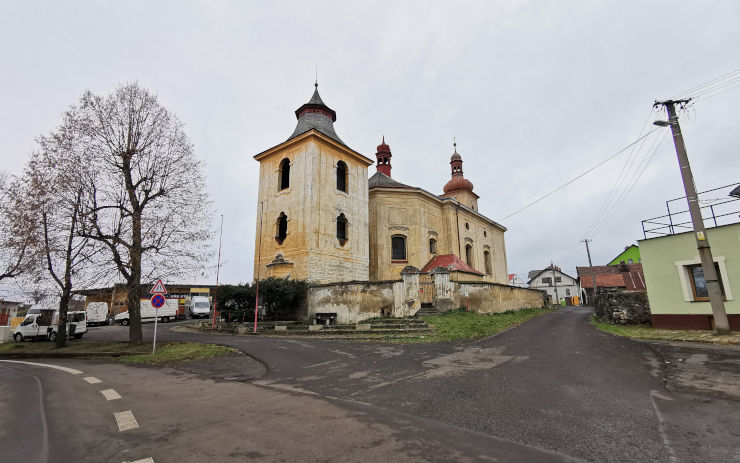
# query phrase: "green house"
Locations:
[[630, 255]]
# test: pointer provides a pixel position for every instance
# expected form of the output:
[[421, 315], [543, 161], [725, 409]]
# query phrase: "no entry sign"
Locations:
[[158, 301]]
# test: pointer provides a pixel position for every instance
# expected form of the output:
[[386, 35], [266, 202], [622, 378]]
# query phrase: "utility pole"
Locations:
[[702, 240], [593, 275], [554, 282]]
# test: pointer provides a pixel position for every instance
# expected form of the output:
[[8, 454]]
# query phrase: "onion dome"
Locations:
[[316, 115], [458, 181], [384, 158]]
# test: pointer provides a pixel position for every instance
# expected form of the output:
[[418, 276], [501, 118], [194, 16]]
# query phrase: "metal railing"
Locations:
[[717, 208]]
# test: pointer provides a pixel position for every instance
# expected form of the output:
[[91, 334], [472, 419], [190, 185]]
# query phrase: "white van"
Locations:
[[199, 306], [43, 324], [97, 313], [164, 314]]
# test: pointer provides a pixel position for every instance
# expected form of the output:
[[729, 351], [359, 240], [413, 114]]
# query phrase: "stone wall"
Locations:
[[621, 307], [355, 301]]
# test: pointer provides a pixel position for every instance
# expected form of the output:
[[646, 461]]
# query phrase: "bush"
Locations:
[[279, 297]]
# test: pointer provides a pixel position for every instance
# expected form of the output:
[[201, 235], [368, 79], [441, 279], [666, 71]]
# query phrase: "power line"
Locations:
[[578, 176], [730, 74]]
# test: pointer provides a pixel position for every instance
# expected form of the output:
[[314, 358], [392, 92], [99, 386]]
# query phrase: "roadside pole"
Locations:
[[593, 275], [259, 264], [218, 270], [157, 300], [716, 301]]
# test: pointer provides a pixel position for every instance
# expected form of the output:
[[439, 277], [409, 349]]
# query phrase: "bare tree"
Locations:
[[16, 233], [53, 193], [145, 195]]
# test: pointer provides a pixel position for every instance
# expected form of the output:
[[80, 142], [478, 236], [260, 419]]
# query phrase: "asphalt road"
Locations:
[[553, 388]]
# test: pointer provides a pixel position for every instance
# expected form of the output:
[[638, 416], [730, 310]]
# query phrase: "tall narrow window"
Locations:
[[469, 255], [398, 247], [342, 176], [281, 228], [284, 173], [487, 258], [342, 229], [432, 246]]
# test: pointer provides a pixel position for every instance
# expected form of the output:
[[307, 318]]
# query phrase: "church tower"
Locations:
[[312, 210], [383, 156], [459, 187]]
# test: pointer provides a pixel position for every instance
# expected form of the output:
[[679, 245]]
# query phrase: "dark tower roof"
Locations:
[[316, 115]]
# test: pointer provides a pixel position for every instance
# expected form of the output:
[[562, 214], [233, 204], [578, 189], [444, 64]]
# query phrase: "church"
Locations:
[[320, 218]]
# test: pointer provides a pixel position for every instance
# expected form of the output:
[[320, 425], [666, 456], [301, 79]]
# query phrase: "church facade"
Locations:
[[320, 218]]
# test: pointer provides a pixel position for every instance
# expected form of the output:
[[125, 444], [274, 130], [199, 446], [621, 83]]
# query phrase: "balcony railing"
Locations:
[[717, 208]]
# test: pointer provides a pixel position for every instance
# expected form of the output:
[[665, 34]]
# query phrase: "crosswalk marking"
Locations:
[[126, 420]]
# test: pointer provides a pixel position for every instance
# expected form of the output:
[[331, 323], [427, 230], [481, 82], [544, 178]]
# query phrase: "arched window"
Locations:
[[432, 246], [281, 228], [487, 259], [342, 229], [469, 254], [398, 247], [284, 173], [341, 176]]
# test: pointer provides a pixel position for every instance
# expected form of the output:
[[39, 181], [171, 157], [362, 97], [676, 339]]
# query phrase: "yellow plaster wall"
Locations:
[[312, 204], [419, 217]]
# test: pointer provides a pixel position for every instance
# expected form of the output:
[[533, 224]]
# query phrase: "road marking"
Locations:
[[126, 420], [145, 460], [47, 365], [92, 380], [661, 424], [110, 394]]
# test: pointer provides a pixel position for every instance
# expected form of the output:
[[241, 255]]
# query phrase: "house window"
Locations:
[[342, 176], [487, 259], [485, 234], [432, 246], [547, 281], [558, 280], [467, 226], [342, 229], [281, 228], [284, 173], [699, 284], [567, 292], [469, 254], [398, 247], [630, 261]]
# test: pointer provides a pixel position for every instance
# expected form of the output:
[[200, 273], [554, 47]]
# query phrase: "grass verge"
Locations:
[[458, 324], [174, 352], [649, 333]]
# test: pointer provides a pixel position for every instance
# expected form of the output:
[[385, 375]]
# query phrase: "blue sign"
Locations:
[[158, 301]]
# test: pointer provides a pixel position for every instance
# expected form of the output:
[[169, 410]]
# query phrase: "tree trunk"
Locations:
[[135, 335], [62, 326]]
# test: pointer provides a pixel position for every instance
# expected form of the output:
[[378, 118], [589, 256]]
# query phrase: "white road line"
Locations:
[[110, 394], [126, 420], [661, 423], [92, 380], [47, 365], [145, 460]]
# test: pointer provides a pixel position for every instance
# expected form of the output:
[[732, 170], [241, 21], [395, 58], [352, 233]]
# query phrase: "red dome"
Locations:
[[383, 148], [458, 182]]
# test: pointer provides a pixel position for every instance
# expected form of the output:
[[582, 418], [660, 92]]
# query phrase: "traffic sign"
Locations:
[[158, 288], [158, 301]]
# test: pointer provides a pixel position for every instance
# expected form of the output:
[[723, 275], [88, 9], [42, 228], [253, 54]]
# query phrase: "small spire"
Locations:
[[384, 139], [316, 80], [454, 143]]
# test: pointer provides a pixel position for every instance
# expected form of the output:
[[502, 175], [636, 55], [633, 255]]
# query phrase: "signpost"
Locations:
[[158, 300]]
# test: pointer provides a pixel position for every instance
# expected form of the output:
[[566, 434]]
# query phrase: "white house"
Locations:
[[514, 280], [555, 282]]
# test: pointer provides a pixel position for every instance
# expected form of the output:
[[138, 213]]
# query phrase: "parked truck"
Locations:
[[43, 325], [199, 306], [164, 314], [97, 313]]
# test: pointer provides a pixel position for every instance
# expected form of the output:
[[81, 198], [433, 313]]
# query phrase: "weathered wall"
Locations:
[[494, 298], [356, 301], [312, 204], [621, 307], [418, 216]]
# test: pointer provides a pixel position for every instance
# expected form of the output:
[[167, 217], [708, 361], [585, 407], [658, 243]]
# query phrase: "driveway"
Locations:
[[554, 383]]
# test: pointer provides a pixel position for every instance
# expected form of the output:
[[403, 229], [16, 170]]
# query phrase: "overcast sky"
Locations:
[[535, 92]]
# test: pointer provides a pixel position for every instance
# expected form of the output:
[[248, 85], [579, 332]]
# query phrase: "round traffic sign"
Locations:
[[158, 301]]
